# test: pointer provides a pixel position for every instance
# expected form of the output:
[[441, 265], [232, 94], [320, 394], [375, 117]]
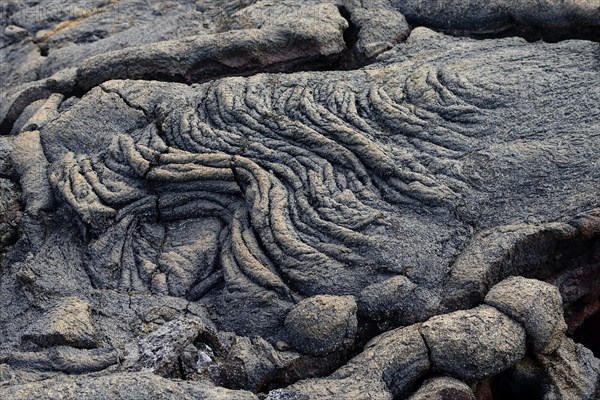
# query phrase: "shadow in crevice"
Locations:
[[528, 32], [587, 334], [525, 381]]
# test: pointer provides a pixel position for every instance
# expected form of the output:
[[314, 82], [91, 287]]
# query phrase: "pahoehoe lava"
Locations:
[[321, 199]]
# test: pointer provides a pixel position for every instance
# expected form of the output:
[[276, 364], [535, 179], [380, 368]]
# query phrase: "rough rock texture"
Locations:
[[496, 14], [160, 351], [572, 372], [474, 344], [387, 368], [298, 199], [443, 388], [10, 211], [322, 324], [534, 304], [398, 300], [69, 323], [126, 386]]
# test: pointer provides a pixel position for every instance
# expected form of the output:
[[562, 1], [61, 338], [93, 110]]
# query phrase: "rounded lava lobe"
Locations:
[[536, 305], [443, 388], [474, 344], [322, 324]]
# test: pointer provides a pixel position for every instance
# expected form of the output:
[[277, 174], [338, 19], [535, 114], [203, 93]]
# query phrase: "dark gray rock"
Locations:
[[479, 15], [443, 388], [6, 167], [62, 35], [31, 164], [285, 394], [322, 324], [388, 367], [160, 351], [246, 363], [68, 323], [10, 211], [378, 30], [245, 166], [376, 25], [474, 344], [572, 371], [398, 300], [439, 235], [18, 100], [63, 359], [195, 59], [126, 386], [534, 304], [20, 62]]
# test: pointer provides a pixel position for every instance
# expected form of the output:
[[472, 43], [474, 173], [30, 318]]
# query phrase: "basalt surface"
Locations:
[[299, 200]]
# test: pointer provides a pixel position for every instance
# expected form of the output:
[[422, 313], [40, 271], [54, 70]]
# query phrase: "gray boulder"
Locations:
[[59, 359], [160, 351], [198, 58], [398, 300], [572, 372], [322, 324], [246, 363], [474, 344], [536, 305]]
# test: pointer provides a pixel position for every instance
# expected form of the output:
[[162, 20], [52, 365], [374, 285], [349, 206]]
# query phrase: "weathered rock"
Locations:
[[73, 31], [68, 323], [285, 394], [495, 254], [30, 164], [398, 300], [10, 195], [160, 351], [15, 32], [387, 368], [10, 211], [245, 363], [443, 388], [10, 376], [209, 188], [6, 167], [126, 386], [536, 305], [378, 30], [474, 344], [322, 324], [198, 58], [61, 359], [480, 15], [20, 62], [572, 371]]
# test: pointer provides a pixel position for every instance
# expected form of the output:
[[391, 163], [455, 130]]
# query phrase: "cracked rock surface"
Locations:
[[324, 199]]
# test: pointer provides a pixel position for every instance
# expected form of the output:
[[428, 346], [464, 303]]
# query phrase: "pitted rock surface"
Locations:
[[67, 323], [298, 199], [474, 344], [443, 388], [388, 367], [322, 324], [535, 305]]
